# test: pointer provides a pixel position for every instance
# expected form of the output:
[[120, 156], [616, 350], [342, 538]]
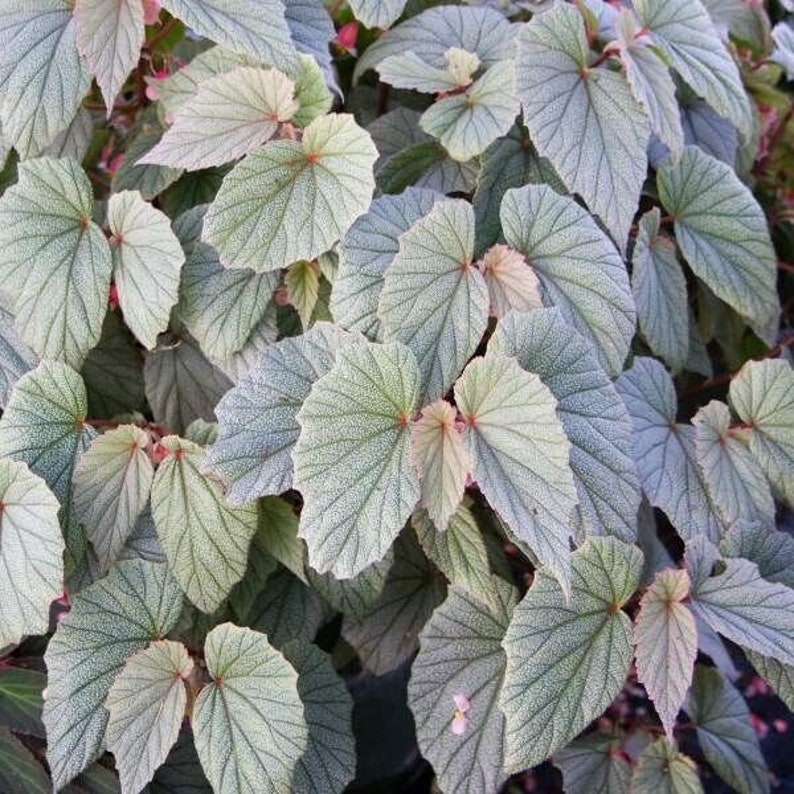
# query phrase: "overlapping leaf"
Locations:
[[519, 455], [511, 283], [290, 200], [21, 700], [659, 288], [249, 723], [666, 641], [567, 659], [147, 260], [579, 269], [592, 415], [433, 299], [229, 116], [352, 457], [664, 451], [593, 765], [146, 704], [19, 769], [206, 541], [662, 769], [778, 675], [770, 550], [461, 655], [31, 552], [709, 203], [356, 596], [109, 621], [377, 13], [42, 78], [365, 253], [111, 488], [762, 394], [16, 358], [257, 424], [54, 261], [584, 120]]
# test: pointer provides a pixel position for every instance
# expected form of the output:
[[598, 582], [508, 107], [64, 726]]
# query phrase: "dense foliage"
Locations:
[[389, 379]]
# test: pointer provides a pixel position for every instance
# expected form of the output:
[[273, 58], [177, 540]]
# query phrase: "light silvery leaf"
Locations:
[[206, 541], [664, 451], [592, 414], [377, 13], [75, 139], [519, 455], [19, 768], [461, 554], [31, 553], [592, 765], [388, 634], [248, 723], [365, 253], [181, 385], [683, 31], [312, 31], [442, 462], [394, 131], [229, 116], [770, 550], [659, 288], [408, 70], [54, 261], [109, 621], [580, 270], [16, 358], [509, 162], [461, 656], [433, 299], [352, 457], [111, 488], [584, 120], [468, 123], [567, 658], [742, 606], [147, 259], [146, 704], [735, 482], [481, 31], [650, 81], [149, 180], [43, 425], [703, 127], [221, 307], [427, 165], [661, 769], [709, 203], [290, 200], [778, 675], [254, 29], [109, 36], [277, 533], [329, 762], [725, 733], [511, 282], [666, 640], [42, 78], [762, 394], [302, 281], [257, 424]]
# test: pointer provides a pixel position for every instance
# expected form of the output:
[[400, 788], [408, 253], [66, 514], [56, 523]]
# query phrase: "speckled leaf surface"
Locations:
[[42, 78], [461, 654], [778, 675], [352, 457], [597, 136], [146, 704], [16, 358], [109, 621], [519, 455], [147, 260], [666, 640], [772, 551], [257, 419], [31, 552], [365, 253], [377, 13], [249, 723], [433, 299], [111, 488], [205, 540], [559, 680], [580, 270], [709, 202], [662, 769], [290, 200], [54, 261], [593, 416], [592, 765], [511, 282], [664, 451]]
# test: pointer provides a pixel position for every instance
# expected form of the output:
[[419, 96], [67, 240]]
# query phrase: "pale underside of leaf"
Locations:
[[512, 283]]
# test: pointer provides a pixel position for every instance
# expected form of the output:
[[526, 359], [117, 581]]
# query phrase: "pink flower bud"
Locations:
[[346, 36], [151, 12]]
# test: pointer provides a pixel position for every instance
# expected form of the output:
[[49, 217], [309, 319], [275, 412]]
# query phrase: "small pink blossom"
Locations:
[[151, 12], [460, 721]]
